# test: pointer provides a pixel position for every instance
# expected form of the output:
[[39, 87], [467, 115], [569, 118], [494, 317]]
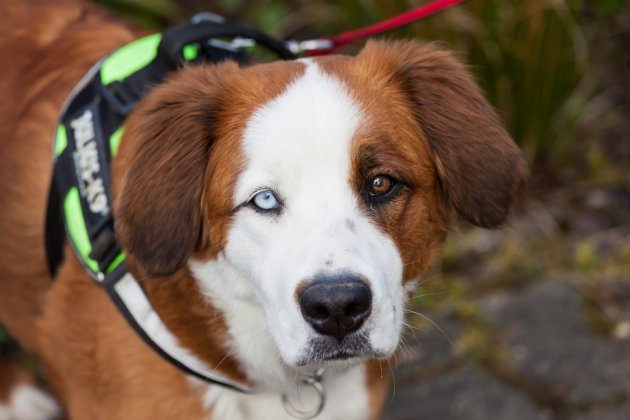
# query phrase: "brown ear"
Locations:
[[165, 153], [480, 167]]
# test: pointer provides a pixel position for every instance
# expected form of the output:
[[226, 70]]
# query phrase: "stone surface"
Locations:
[[468, 394], [429, 350], [614, 296], [551, 347], [616, 412]]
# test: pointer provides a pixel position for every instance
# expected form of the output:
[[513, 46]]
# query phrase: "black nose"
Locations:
[[336, 306]]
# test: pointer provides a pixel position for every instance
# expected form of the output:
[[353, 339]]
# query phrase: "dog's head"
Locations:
[[311, 195]]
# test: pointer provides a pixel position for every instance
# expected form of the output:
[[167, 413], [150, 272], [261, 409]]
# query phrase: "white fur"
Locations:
[[5, 414], [299, 146], [29, 403], [346, 399]]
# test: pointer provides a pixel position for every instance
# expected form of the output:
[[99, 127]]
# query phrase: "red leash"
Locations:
[[331, 44]]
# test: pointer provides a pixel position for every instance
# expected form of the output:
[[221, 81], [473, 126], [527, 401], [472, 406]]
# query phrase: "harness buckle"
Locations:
[[119, 97], [105, 249], [300, 47]]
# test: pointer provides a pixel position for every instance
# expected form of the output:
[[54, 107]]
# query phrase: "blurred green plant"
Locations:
[[586, 258], [533, 58]]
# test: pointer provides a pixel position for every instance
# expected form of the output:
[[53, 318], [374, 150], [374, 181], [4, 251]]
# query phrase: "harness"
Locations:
[[87, 138]]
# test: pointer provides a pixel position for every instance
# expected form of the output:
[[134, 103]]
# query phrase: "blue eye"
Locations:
[[265, 200]]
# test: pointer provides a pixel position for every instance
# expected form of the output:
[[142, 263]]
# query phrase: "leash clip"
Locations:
[[312, 379], [300, 47]]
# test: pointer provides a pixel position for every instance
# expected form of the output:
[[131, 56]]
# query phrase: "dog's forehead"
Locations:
[[305, 131]]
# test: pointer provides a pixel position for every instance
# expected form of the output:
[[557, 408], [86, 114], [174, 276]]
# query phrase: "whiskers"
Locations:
[[391, 371], [414, 285], [424, 295], [426, 318], [405, 349]]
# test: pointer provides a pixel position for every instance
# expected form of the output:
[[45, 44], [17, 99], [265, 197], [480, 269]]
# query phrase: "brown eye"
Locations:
[[381, 185]]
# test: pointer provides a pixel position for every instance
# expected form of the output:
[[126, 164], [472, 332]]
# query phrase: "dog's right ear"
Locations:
[[480, 167], [162, 162]]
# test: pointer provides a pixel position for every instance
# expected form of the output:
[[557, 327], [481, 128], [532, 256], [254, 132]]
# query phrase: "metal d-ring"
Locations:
[[312, 379]]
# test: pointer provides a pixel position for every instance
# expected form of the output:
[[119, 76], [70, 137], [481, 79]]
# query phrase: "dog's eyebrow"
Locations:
[[384, 155]]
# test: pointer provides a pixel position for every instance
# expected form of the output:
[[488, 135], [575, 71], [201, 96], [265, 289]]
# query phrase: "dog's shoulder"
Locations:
[[47, 46]]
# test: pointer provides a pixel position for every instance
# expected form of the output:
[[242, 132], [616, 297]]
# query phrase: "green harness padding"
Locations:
[[87, 138]]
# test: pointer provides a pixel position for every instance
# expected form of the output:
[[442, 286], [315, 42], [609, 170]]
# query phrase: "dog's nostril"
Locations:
[[356, 308], [320, 312], [336, 306]]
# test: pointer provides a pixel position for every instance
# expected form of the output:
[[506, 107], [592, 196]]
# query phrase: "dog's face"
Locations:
[[313, 193], [308, 230]]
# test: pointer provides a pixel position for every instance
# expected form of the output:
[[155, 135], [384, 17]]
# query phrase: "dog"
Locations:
[[277, 216]]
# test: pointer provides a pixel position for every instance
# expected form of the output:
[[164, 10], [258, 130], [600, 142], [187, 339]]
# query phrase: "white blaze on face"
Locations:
[[299, 145]]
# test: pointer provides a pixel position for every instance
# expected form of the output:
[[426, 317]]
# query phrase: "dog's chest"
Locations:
[[346, 398]]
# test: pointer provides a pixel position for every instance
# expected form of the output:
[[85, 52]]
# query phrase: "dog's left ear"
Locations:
[[480, 167], [158, 217]]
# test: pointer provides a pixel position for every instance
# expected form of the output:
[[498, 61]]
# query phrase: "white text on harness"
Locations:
[[87, 164]]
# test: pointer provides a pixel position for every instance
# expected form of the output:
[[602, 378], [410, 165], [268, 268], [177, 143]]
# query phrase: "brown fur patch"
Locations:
[[49, 45]]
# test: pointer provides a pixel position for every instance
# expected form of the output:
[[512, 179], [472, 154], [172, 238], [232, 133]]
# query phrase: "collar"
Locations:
[[86, 140]]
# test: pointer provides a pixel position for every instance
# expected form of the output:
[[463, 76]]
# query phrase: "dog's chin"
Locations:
[[328, 352]]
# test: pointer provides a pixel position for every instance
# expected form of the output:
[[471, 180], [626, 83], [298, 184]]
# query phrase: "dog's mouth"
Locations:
[[328, 349]]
